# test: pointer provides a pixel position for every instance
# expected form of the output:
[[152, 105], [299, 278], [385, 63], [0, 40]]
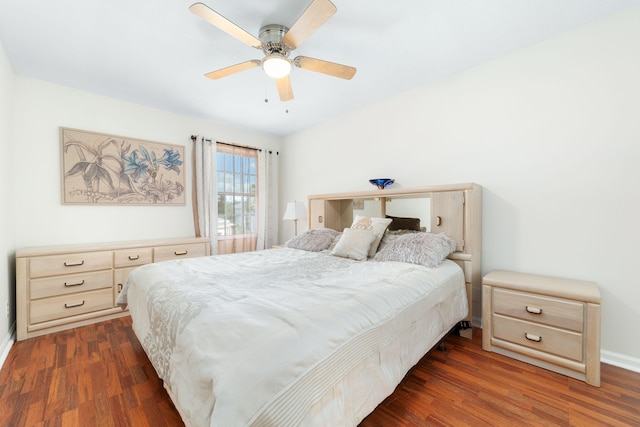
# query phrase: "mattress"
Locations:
[[288, 337]]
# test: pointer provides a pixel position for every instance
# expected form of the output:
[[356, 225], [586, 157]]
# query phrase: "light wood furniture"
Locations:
[[546, 321], [454, 209], [61, 287]]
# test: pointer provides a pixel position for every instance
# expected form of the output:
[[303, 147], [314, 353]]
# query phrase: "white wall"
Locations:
[[7, 236], [40, 109], [552, 133]]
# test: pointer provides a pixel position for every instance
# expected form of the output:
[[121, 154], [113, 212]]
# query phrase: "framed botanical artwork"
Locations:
[[104, 169]]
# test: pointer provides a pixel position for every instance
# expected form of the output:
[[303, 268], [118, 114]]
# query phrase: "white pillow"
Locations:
[[354, 243], [377, 225]]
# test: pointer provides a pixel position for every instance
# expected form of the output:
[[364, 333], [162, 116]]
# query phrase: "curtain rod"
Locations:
[[194, 137]]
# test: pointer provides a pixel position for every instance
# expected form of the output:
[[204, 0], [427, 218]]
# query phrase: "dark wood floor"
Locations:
[[98, 375]]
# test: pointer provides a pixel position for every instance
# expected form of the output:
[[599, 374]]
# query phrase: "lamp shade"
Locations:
[[295, 211], [276, 66]]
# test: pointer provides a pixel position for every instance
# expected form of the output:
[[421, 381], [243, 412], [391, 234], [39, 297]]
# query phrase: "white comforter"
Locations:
[[257, 338]]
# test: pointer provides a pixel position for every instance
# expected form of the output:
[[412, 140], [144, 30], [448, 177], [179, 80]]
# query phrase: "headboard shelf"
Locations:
[[397, 192], [454, 209]]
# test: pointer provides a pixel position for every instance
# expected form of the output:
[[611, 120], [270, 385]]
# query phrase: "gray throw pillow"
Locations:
[[426, 249], [315, 240]]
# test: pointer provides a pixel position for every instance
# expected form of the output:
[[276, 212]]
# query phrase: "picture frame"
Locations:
[[105, 169]]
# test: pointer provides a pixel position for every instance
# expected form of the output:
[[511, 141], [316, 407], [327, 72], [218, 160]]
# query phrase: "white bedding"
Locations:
[[282, 337]]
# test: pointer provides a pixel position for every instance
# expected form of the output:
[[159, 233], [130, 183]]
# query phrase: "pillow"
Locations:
[[401, 232], [426, 249], [354, 243], [315, 240], [392, 235], [335, 242], [377, 225], [400, 223]]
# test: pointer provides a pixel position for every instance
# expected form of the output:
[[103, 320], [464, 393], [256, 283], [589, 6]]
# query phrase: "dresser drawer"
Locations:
[[187, 250], [132, 257], [539, 337], [63, 306], [539, 309], [68, 284], [69, 263], [120, 276]]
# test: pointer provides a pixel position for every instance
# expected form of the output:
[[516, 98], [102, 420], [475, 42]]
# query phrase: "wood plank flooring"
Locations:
[[98, 375]]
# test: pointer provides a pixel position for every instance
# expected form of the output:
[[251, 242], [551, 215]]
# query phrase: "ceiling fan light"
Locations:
[[276, 66]]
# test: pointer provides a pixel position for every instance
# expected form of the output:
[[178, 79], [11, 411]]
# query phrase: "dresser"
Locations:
[[549, 322], [62, 287]]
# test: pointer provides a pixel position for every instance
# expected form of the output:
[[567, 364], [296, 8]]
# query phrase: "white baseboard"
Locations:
[[620, 360], [6, 344]]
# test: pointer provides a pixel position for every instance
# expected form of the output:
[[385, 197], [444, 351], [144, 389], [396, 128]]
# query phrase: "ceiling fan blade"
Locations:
[[325, 67], [213, 17], [316, 14], [284, 88], [224, 72]]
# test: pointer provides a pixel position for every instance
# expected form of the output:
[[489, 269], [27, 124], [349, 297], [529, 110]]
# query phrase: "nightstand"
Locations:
[[549, 322]]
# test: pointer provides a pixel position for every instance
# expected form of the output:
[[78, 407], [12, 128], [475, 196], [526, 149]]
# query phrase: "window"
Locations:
[[237, 189]]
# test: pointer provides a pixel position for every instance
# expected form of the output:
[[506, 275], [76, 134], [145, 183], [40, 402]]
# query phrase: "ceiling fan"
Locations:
[[277, 42]]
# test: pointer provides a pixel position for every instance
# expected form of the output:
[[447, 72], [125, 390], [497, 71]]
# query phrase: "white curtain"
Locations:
[[267, 199], [205, 204]]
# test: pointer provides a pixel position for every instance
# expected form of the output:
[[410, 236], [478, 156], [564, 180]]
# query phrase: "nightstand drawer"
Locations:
[[62, 285], [539, 309], [60, 307], [539, 337]]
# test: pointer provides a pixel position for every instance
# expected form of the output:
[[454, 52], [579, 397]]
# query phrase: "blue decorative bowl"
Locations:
[[381, 183]]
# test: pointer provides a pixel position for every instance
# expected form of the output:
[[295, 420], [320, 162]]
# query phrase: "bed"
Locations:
[[291, 336]]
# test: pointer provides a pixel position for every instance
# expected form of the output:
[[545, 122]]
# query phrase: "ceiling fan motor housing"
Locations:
[[271, 37]]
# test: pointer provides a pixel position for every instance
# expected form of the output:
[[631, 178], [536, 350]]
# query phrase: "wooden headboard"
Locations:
[[454, 209]]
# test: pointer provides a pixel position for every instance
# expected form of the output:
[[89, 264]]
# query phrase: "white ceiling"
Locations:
[[155, 52]]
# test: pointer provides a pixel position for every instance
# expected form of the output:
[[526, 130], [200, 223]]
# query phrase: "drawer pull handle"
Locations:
[[531, 337], [438, 221], [181, 252], [133, 258], [78, 304], [119, 287], [73, 264], [68, 285], [533, 310]]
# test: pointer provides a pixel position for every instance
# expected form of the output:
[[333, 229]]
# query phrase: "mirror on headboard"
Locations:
[[410, 207], [367, 207], [406, 207]]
